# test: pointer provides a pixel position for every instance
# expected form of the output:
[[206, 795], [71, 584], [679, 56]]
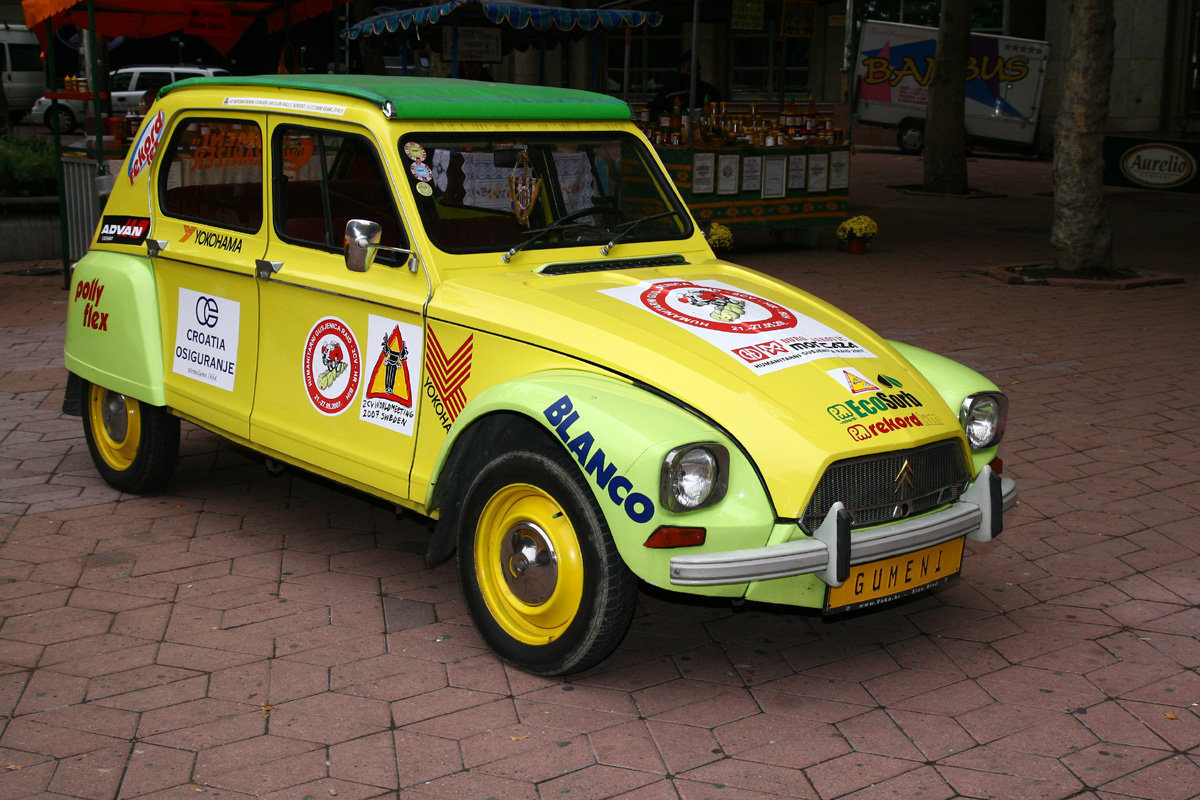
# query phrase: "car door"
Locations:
[[340, 352], [208, 210]]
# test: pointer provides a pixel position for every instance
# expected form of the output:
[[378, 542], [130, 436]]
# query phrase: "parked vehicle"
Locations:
[[488, 304], [20, 68], [1005, 76], [127, 86]]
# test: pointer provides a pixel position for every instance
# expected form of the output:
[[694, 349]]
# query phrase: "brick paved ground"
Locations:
[[246, 636]]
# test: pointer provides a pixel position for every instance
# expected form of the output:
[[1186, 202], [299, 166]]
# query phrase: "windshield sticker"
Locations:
[[760, 333], [445, 377], [206, 338], [387, 399], [414, 151], [282, 104], [146, 145], [332, 366]]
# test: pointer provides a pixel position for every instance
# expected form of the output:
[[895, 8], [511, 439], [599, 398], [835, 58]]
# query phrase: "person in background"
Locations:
[[678, 86]]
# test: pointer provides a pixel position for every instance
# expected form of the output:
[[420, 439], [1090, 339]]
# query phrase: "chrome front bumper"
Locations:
[[832, 549]]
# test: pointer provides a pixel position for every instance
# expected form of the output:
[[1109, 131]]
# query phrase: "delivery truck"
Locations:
[[1005, 76]]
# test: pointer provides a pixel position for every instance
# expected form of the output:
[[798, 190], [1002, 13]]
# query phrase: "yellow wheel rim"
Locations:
[[116, 422], [528, 564]]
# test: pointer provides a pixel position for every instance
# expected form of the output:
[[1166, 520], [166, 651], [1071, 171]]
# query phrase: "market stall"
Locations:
[[779, 173]]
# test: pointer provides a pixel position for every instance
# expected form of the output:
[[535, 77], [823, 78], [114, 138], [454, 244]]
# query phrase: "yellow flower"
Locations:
[[857, 228], [719, 237]]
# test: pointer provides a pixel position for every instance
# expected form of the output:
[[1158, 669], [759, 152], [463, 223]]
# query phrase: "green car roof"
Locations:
[[436, 98]]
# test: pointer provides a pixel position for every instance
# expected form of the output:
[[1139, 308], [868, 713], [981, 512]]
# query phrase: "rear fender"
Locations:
[[113, 337]]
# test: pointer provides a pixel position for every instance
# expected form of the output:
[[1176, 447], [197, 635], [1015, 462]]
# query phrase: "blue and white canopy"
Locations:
[[522, 16]]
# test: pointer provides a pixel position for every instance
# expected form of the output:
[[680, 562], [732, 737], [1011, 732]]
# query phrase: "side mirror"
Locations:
[[361, 234], [362, 244]]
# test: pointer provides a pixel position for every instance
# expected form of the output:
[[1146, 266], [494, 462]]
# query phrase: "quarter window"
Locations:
[[324, 179], [212, 173]]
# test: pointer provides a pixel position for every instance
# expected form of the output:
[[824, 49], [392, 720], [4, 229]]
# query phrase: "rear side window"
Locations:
[[212, 172], [25, 57], [324, 179]]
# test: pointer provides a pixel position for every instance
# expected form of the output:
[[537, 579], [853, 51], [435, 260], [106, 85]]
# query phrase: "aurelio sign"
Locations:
[[1158, 165]]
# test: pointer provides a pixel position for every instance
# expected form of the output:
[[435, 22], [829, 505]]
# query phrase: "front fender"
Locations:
[[618, 434], [113, 337], [953, 382]]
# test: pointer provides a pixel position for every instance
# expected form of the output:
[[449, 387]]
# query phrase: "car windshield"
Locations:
[[509, 192]]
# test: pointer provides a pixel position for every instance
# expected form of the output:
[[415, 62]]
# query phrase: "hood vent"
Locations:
[[574, 267]]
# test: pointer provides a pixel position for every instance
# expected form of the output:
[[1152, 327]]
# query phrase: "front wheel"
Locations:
[[541, 575], [64, 115], [133, 445]]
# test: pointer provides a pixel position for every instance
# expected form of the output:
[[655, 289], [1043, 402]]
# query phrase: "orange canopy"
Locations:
[[219, 22]]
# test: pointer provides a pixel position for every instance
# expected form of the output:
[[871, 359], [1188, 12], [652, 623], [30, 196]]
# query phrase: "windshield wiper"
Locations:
[[566, 220], [630, 227]]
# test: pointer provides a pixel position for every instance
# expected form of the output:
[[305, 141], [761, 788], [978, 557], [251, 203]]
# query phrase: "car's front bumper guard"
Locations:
[[831, 551]]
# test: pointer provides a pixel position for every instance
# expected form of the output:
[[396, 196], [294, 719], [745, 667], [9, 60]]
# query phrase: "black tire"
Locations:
[[133, 445], [910, 137], [541, 575], [66, 119]]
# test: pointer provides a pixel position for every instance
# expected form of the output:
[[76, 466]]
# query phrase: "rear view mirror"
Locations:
[[362, 244]]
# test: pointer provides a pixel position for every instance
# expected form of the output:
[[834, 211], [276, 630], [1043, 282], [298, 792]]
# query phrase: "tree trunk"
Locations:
[[1081, 236], [369, 48], [945, 128]]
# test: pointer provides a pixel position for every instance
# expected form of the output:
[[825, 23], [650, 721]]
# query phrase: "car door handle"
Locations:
[[264, 269]]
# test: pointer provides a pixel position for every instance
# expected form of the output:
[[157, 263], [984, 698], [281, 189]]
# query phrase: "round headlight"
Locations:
[[983, 417], [694, 476]]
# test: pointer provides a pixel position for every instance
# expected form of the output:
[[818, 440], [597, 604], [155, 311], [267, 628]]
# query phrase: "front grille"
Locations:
[[880, 488]]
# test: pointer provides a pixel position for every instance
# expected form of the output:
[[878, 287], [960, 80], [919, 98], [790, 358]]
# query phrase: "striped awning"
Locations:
[[515, 15]]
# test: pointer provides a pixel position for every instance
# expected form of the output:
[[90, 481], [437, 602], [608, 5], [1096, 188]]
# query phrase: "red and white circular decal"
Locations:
[[332, 366], [716, 308]]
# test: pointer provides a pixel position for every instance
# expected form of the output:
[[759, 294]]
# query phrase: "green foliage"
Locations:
[[27, 167]]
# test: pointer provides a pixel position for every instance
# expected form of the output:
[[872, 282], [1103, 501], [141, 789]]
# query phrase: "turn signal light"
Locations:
[[997, 465], [672, 536]]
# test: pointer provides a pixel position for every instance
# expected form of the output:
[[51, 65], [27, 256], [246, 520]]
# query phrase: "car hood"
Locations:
[[796, 382]]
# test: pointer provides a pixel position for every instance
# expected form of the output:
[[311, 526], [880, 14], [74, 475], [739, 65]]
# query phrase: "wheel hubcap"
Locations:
[[532, 570], [116, 426], [528, 564]]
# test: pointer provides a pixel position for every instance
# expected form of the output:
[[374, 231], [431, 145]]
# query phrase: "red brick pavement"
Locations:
[[245, 636]]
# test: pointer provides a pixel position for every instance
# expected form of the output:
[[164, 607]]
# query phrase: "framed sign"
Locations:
[[752, 173], [474, 44], [839, 169], [797, 171], [704, 168], [774, 176], [727, 173], [799, 18], [818, 172]]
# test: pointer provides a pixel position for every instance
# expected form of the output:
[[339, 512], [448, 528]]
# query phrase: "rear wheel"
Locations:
[[910, 137], [133, 445], [541, 575], [66, 119]]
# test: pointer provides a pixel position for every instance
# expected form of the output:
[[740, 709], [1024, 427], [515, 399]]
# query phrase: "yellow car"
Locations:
[[487, 304]]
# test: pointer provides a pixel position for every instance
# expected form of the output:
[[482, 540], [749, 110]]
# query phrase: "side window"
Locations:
[[324, 179], [212, 173], [152, 80], [119, 81], [25, 57]]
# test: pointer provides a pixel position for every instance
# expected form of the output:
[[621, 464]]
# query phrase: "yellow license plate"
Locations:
[[899, 576]]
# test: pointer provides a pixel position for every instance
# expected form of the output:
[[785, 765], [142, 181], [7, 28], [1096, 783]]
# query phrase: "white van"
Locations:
[[1005, 76], [21, 65]]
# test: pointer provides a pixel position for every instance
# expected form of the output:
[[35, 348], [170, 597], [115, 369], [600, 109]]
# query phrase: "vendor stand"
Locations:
[[747, 187]]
